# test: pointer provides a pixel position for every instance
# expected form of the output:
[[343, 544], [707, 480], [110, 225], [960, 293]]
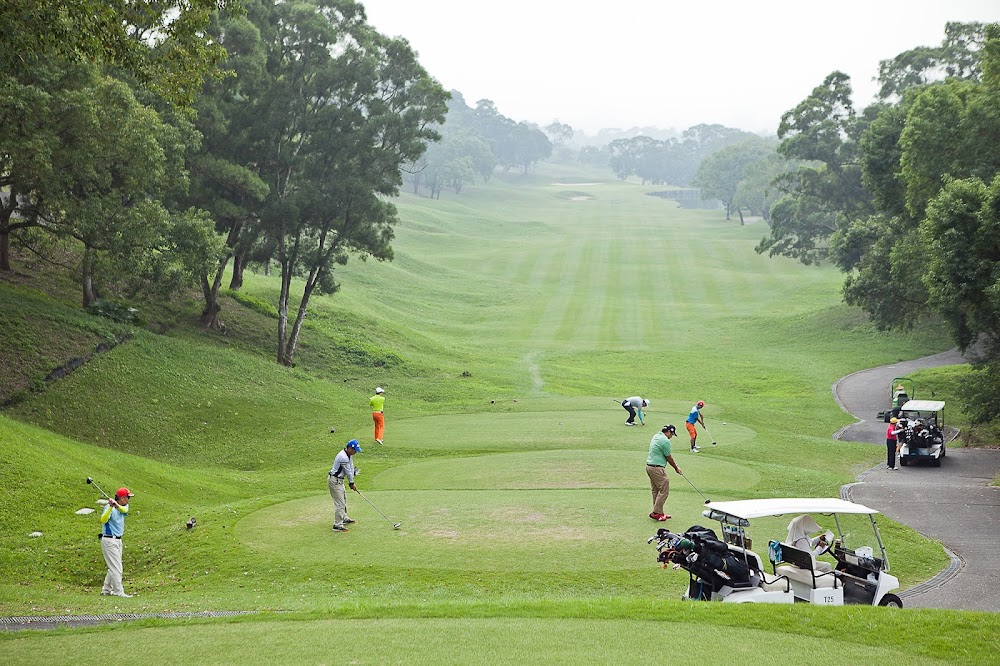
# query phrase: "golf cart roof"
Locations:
[[923, 406], [758, 508]]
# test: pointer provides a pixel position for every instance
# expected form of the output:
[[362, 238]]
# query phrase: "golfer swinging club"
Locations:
[[693, 418], [343, 467], [112, 530]]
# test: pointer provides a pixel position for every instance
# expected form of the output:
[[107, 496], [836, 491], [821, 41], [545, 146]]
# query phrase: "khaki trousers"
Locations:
[[659, 484], [339, 496], [112, 550]]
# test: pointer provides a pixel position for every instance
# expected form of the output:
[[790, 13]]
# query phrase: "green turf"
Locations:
[[512, 320]]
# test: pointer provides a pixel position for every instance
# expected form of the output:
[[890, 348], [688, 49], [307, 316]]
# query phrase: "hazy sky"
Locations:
[[661, 63]]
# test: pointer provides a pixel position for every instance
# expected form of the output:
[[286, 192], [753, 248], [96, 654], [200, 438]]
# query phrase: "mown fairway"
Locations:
[[511, 319]]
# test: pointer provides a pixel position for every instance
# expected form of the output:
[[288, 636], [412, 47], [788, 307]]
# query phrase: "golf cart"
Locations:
[[728, 570], [900, 390], [923, 436]]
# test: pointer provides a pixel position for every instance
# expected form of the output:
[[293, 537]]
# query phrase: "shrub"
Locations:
[[116, 311]]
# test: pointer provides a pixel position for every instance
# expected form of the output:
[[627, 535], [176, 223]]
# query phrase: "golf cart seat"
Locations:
[[797, 565], [758, 576]]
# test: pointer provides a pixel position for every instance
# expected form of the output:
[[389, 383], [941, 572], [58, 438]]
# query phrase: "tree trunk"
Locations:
[[87, 277], [210, 313], [5, 213], [239, 263], [4, 251], [286, 281], [267, 267], [293, 338], [739, 211]]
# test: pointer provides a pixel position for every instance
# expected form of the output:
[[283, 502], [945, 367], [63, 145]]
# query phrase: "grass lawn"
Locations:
[[512, 320]]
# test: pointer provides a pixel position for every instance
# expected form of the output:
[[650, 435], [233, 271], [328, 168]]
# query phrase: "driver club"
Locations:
[[696, 490], [395, 526], [91, 481]]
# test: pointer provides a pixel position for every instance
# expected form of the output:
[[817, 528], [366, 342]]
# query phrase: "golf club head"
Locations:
[[396, 526], [707, 501], [89, 480]]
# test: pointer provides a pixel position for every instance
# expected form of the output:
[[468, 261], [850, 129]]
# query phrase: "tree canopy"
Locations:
[[903, 197]]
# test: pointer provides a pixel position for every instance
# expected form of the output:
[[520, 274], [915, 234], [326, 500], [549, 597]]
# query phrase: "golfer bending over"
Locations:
[[656, 462], [634, 406], [343, 467]]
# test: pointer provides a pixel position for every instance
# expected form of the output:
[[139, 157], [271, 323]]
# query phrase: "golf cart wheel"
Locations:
[[891, 601], [903, 461]]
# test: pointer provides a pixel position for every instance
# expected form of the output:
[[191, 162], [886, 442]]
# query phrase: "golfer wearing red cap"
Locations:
[[112, 530], [695, 417]]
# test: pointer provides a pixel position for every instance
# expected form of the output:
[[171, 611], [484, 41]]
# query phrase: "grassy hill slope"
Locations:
[[511, 318]]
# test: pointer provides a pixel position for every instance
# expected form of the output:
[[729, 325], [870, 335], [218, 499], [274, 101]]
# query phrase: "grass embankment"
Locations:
[[510, 320]]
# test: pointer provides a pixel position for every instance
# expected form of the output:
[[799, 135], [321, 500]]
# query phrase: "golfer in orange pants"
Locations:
[[377, 402]]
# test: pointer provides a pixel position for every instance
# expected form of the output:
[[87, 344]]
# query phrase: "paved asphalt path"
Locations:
[[953, 503]]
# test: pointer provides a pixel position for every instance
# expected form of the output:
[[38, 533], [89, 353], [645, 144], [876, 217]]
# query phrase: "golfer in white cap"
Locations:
[[377, 402]]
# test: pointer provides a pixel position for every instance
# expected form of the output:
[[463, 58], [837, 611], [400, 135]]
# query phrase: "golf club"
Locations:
[[91, 481], [696, 490], [395, 526], [710, 435]]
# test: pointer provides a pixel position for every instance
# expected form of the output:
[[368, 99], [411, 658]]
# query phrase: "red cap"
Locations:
[[123, 492]]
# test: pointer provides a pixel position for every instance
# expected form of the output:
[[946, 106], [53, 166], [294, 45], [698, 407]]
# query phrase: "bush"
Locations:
[[981, 393], [115, 311]]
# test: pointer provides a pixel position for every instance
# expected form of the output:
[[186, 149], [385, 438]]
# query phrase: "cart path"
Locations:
[[954, 503]]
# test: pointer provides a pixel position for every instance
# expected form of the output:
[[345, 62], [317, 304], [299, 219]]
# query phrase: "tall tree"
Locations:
[[825, 194], [224, 174], [342, 110], [958, 57], [163, 44], [721, 173]]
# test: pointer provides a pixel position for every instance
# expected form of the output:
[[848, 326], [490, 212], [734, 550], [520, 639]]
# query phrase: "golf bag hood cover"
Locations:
[[801, 527]]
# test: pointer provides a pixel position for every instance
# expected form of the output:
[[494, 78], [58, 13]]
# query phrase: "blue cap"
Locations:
[[354, 445]]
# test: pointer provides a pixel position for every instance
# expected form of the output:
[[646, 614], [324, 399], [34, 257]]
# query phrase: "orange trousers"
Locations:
[[379, 419]]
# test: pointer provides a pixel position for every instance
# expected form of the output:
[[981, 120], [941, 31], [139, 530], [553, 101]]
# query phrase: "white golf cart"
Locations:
[[729, 571], [923, 437]]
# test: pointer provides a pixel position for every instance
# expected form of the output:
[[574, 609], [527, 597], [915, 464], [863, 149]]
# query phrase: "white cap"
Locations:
[[379, 389]]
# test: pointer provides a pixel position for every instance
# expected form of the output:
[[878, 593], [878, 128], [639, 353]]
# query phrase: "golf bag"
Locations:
[[709, 561]]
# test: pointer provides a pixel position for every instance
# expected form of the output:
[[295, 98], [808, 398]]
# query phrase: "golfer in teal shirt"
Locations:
[[656, 463]]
